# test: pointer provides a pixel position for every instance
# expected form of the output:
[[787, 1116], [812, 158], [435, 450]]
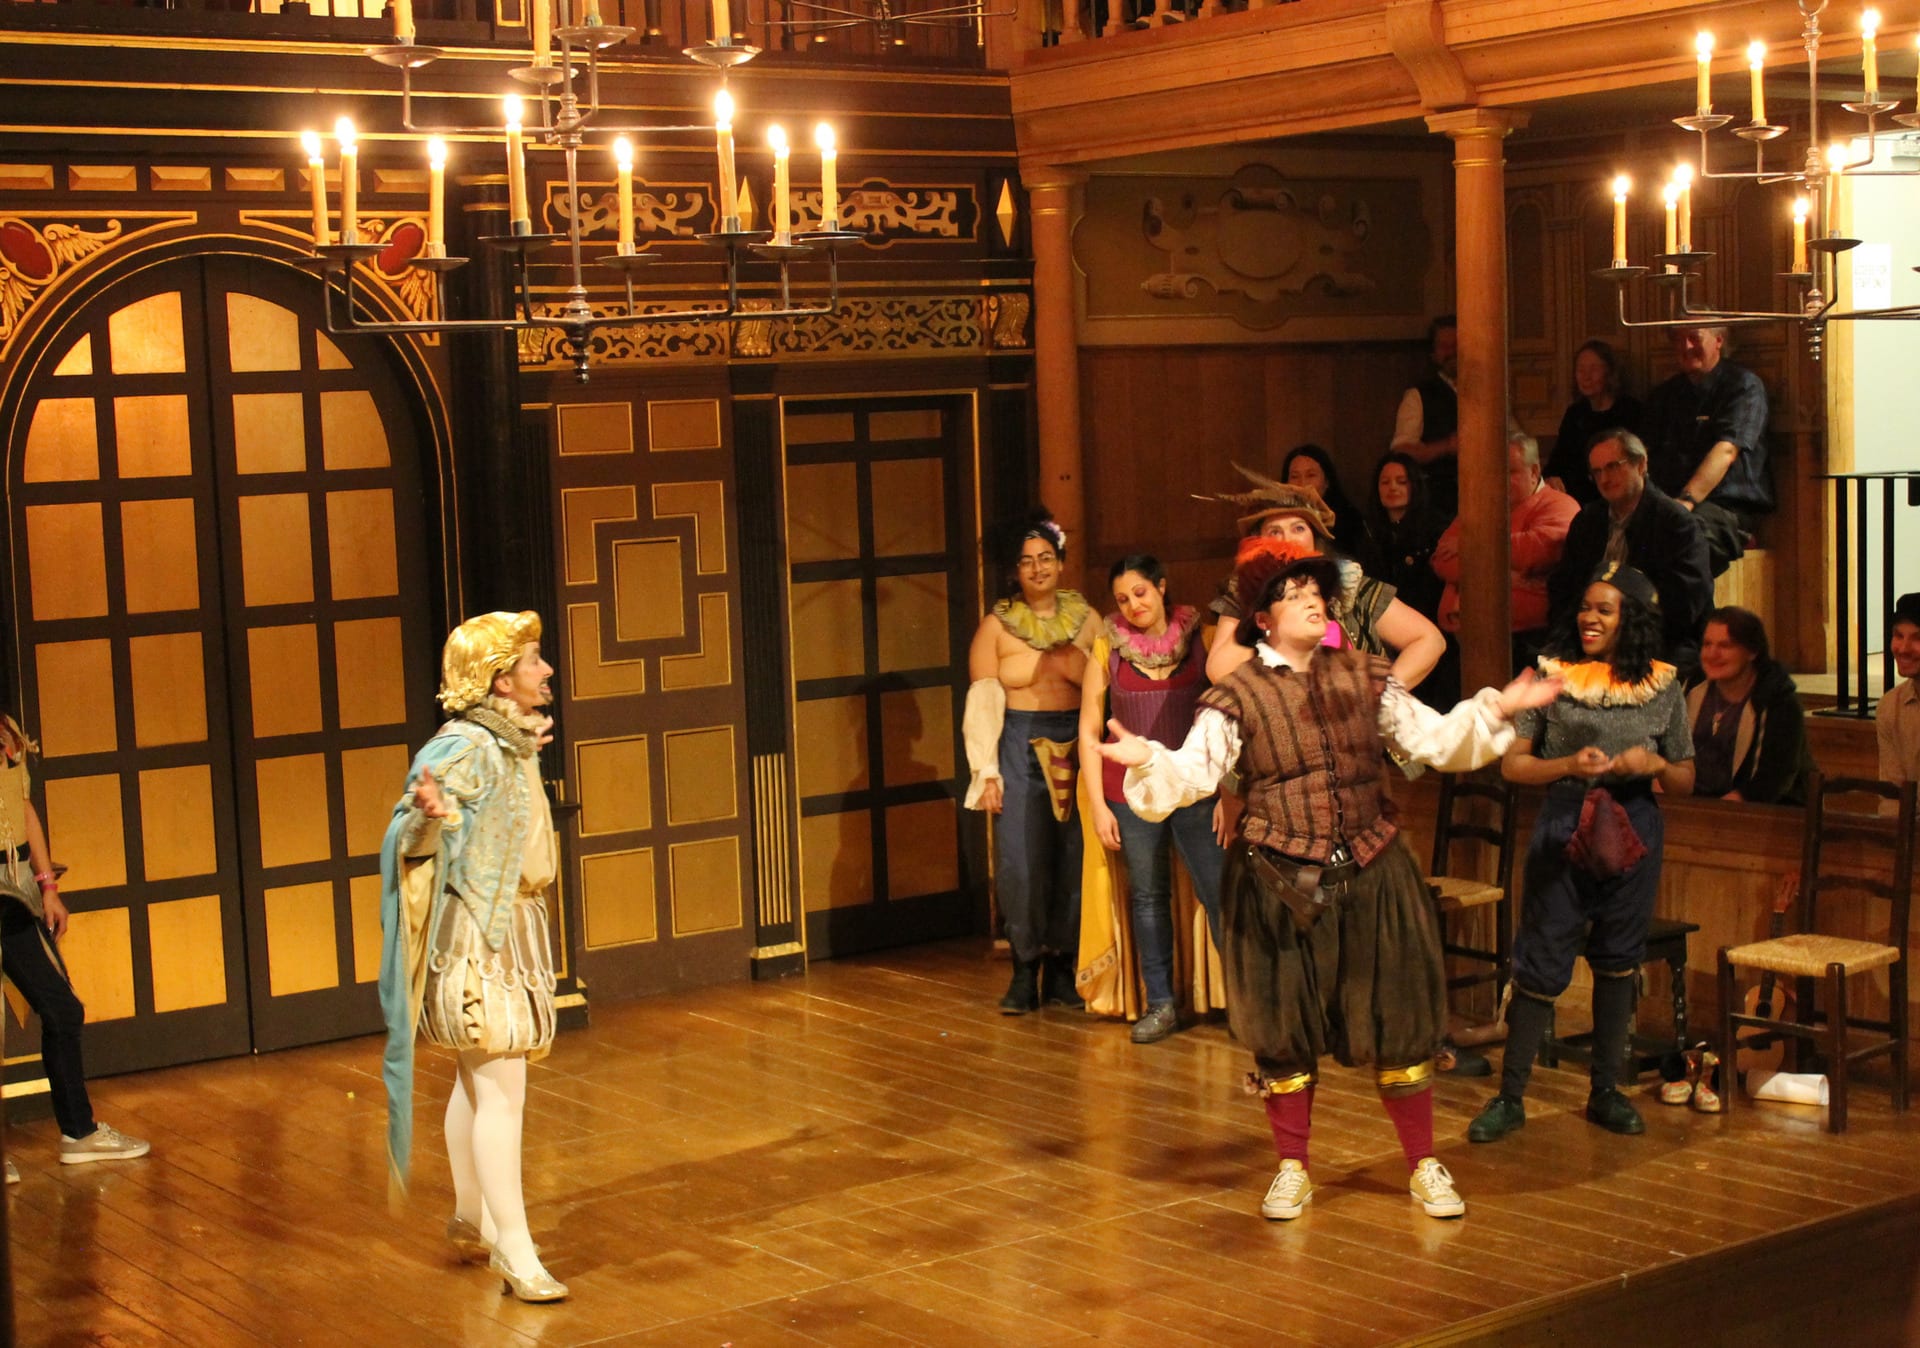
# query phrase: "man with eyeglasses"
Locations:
[[1637, 524], [1707, 442]]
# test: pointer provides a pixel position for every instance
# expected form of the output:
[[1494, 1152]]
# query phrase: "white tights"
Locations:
[[484, 1121]]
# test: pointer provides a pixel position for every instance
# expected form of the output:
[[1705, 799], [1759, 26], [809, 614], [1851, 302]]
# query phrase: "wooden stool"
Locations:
[[1666, 940]]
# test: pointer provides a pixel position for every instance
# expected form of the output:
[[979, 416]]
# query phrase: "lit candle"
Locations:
[[1703, 72], [722, 22], [436, 198], [1916, 43], [1800, 207], [829, 177], [1671, 195], [1621, 185], [349, 181], [542, 33], [593, 14], [402, 20], [1836, 166], [1757, 62], [777, 138], [1683, 179], [317, 174], [723, 134], [516, 172], [1869, 55], [623, 165]]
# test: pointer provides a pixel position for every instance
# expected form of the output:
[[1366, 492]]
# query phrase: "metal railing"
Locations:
[[1853, 542]]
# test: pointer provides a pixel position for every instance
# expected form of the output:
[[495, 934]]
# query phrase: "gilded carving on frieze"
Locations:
[[885, 212], [33, 257], [1008, 312], [1262, 242], [754, 337], [641, 342], [660, 210], [934, 323]]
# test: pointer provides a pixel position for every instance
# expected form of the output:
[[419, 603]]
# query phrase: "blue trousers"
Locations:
[[31, 961], [1148, 848], [1566, 913], [1037, 858]]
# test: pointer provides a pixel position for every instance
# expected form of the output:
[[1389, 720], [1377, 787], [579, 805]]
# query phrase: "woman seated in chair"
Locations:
[[1749, 729], [1593, 864]]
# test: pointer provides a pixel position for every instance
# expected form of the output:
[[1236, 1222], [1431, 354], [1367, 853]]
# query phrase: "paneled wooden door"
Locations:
[[222, 619], [880, 528]]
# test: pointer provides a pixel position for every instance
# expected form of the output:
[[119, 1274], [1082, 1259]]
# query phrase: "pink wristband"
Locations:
[[47, 880]]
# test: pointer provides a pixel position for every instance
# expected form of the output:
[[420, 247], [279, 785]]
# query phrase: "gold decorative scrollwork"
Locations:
[[657, 213], [641, 342], [754, 337], [935, 323], [402, 238], [34, 257], [885, 212]]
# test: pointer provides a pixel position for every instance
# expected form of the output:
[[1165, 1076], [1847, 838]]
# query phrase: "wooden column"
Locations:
[[1480, 282], [1053, 199]]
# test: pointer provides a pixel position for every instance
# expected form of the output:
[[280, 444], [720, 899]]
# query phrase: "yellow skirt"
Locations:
[[493, 1001]]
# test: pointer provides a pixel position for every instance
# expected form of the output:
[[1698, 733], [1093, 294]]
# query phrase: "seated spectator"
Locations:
[[1399, 533], [1638, 525], [1310, 466], [1537, 522], [1706, 430], [1599, 404], [1427, 423], [1749, 729], [1897, 718]]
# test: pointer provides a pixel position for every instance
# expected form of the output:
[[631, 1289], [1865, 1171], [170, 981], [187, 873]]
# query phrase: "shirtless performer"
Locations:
[[1021, 731]]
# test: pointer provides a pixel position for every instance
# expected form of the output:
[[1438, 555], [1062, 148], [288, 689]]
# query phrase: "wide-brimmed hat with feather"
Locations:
[[1269, 497], [1264, 564]]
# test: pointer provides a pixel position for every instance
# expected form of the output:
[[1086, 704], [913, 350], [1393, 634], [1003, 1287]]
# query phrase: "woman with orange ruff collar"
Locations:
[[1331, 941]]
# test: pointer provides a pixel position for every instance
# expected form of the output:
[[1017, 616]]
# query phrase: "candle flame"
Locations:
[[723, 109], [1756, 53], [1683, 176], [1801, 208], [310, 142], [343, 132], [512, 104], [1670, 194], [823, 137], [777, 138], [623, 152], [437, 153], [1836, 156], [1622, 185], [1703, 44], [1869, 23]]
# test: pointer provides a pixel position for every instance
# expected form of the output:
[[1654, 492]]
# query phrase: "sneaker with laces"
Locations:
[[1289, 1193], [104, 1143], [1432, 1188], [1159, 1022], [13, 1173]]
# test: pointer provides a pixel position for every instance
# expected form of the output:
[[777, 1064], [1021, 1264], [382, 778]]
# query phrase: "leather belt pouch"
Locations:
[[1307, 890]]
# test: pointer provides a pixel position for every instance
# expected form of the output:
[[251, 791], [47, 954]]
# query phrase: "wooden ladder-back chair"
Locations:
[[1454, 894], [1812, 957]]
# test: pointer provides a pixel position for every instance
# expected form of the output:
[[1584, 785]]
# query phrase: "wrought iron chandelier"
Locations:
[[817, 22], [1818, 175], [565, 58]]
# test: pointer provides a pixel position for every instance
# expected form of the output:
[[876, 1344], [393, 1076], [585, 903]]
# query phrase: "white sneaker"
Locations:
[[104, 1143], [1432, 1188], [1289, 1193], [13, 1173]]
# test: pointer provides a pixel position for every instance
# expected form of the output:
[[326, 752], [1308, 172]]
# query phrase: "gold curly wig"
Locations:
[[479, 651]]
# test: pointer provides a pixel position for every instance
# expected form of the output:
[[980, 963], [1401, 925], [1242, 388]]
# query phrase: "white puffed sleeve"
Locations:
[[1470, 736], [1173, 778], [980, 728]]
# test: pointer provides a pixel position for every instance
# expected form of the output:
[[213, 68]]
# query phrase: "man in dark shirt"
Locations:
[[1636, 523], [1427, 425], [1706, 442]]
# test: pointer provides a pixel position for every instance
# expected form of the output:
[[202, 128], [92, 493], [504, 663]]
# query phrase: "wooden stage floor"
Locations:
[[870, 1155]]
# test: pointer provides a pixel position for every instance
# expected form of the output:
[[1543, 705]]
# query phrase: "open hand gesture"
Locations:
[[1127, 749], [428, 798], [545, 734], [1527, 691]]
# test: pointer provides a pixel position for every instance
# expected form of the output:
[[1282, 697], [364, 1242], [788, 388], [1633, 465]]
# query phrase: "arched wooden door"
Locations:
[[223, 635]]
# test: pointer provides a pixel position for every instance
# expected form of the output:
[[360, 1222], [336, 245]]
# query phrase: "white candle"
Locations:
[[542, 33], [516, 171], [723, 135], [1703, 72], [722, 22], [317, 176], [781, 217], [1869, 54], [349, 181], [1800, 234], [1916, 82], [623, 166], [436, 198], [829, 177], [1756, 62], [1621, 185], [402, 20], [1836, 166], [1672, 197], [1683, 179]]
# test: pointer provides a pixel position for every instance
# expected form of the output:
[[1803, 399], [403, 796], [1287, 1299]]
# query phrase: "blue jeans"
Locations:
[[1150, 873], [32, 962], [1037, 875]]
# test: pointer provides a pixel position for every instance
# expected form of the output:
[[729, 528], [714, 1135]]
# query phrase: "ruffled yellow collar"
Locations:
[[1070, 610], [1593, 682]]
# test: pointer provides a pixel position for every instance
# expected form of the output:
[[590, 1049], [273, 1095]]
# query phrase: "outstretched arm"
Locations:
[[1161, 780], [1470, 736]]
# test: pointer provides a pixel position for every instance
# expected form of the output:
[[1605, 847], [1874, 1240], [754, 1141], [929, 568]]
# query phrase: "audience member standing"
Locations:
[[1427, 426], [1537, 521], [1706, 442], [1897, 718], [1638, 525], [1599, 404]]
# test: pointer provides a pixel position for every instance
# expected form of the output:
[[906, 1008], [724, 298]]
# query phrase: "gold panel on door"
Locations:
[[705, 880], [617, 898], [594, 428], [836, 860], [300, 939], [369, 672], [683, 423], [177, 831], [817, 428], [169, 689], [616, 793], [98, 953], [146, 337], [294, 822], [923, 849], [649, 601], [160, 555], [78, 360], [913, 423], [828, 612], [912, 618], [360, 545], [910, 507], [371, 782], [63, 442], [283, 676], [261, 335], [187, 953], [352, 434], [700, 775], [76, 697], [712, 665], [916, 730], [151, 436], [830, 740], [270, 432], [823, 512], [363, 899], [276, 549], [86, 831], [67, 560]]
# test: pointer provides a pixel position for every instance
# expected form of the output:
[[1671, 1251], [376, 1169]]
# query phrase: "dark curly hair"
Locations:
[[1006, 539], [1640, 641]]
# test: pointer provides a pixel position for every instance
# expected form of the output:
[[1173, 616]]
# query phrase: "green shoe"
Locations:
[[1615, 1113], [1503, 1115]]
